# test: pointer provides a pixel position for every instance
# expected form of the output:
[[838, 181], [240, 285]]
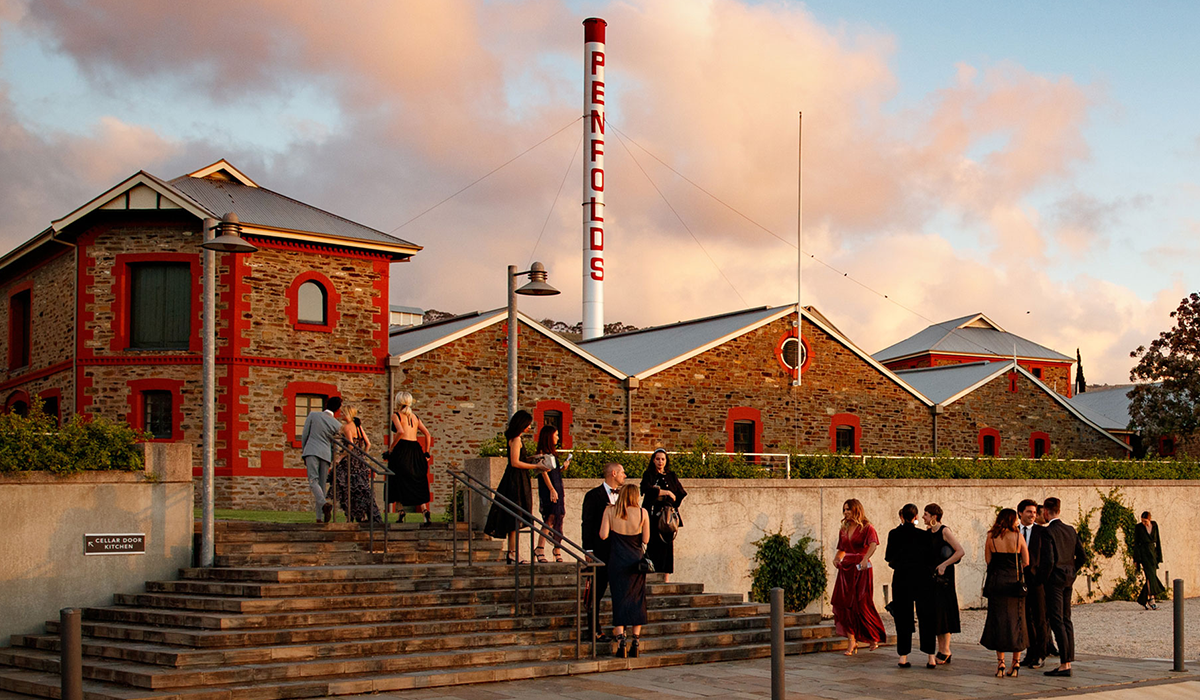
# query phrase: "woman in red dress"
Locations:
[[854, 614]]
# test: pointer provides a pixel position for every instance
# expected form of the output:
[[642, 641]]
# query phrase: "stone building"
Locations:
[[104, 311], [977, 338]]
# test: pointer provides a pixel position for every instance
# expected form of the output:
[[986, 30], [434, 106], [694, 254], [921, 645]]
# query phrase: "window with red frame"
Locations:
[[312, 303], [845, 433], [20, 324], [158, 413], [1012, 382], [989, 442], [557, 414], [1166, 447], [160, 305]]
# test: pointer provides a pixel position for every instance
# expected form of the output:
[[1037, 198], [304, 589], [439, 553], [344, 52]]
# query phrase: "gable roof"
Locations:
[[950, 383], [407, 342], [1108, 406], [970, 335], [648, 351]]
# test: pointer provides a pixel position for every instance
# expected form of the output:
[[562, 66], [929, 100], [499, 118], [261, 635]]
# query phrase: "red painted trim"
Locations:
[[850, 419], [305, 365], [326, 250], [121, 286], [85, 315], [1162, 442], [271, 462], [1038, 435], [137, 416], [1012, 382], [738, 413], [289, 405], [779, 353], [12, 330], [39, 374], [994, 433], [233, 414], [539, 412], [593, 30], [18, 395], [54, 393], [382, 312], [332, 299]]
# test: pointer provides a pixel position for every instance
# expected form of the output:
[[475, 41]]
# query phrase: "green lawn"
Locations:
[[274, 516]]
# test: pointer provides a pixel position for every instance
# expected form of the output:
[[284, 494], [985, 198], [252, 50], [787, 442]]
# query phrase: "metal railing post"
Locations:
[[578, 609], [1178, 601], [532, 570], [71, 660], [454, 523], [778, 684]]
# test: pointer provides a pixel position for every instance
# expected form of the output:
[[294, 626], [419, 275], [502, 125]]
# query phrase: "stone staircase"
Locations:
[[294, 611]]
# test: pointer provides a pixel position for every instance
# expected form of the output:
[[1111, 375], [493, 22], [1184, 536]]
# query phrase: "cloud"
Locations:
[[435, 94]]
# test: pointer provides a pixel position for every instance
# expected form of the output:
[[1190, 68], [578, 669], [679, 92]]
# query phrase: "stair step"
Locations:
[[385, 586], [283, 574]]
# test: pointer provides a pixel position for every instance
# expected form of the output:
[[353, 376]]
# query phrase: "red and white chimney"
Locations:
[[593, 178]]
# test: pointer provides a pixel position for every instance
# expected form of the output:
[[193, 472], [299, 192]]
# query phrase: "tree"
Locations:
[[1165, 402]]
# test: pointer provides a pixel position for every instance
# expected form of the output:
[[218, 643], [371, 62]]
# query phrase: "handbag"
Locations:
[[669, 523], [1012, 589], [645, 565]]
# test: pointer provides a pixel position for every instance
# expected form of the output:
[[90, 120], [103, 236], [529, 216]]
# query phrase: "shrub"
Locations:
[[780, 564], [36, 443]]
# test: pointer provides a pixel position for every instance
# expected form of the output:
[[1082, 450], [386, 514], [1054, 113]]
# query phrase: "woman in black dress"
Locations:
[[628, 527], [514, 485], [942, 601], [409, 483], [1007, 556], [661, 488], [355, 487], [551, 494], [1147, 554]]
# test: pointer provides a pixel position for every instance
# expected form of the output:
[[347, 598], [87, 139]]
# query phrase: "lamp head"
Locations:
[[537, 286], [229, 240]]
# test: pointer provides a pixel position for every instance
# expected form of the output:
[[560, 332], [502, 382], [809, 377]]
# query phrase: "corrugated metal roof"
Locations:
[[262, 207], [408, 338], [405, 309], [950, 336], [1108, 407], [939, 384], [638, 351]]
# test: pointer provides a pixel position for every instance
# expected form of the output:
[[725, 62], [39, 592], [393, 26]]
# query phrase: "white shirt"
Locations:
[[1026, 531], [612, 495]]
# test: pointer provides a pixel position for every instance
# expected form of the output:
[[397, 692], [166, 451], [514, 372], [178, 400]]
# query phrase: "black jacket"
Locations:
[[594, 503], [650, 492], [1037, 536], [1060, 555], [908, 553]]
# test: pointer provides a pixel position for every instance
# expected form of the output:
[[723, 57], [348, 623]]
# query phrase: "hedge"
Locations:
[[36, 442]]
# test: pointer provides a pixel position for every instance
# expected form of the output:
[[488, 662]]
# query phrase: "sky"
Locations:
[[1036, 162]]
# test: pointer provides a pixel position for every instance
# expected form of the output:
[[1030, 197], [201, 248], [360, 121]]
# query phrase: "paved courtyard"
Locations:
[[830, 675]]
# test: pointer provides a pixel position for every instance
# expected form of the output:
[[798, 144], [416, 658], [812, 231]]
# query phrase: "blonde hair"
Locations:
[[857, 517], [350, 413], [404, 402], [627, 498]]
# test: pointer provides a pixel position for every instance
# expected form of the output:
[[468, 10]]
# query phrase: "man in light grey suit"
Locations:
[[317, 451]]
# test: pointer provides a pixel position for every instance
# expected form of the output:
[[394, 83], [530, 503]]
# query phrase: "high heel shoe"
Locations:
[[540, 554], [851, 650], [428, 518], [558, 555], [1000, 670], [621, 651], [943, 659], [1016, 669], [633, 647]]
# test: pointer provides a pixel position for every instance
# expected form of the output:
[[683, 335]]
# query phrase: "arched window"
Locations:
[[989, 442], [845, 433], [312, 303], [793, 352], [1039, 444]]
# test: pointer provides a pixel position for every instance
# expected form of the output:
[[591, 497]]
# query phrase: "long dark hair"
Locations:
[[547, 445], [517, 424], [1006, 521]]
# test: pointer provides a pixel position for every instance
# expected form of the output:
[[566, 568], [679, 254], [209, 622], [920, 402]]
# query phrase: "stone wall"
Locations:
[[723, 518], [1016, 415], [42, 563], [52, 295]]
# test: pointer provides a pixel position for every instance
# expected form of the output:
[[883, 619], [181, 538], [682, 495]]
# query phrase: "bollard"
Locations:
[[71, 660], [777, 684], [1178, 593]]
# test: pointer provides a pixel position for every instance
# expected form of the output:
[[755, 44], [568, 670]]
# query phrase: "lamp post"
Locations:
[[228, 242], [537, 287]]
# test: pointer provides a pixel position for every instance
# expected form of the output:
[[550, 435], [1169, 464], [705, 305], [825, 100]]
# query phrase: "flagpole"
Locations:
[[799, 248]]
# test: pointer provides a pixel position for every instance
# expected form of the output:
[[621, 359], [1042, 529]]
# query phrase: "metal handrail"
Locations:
[[585, 562], [377, 469]]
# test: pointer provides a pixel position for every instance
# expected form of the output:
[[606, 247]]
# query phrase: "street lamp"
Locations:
[[228, 242], [537, 287]]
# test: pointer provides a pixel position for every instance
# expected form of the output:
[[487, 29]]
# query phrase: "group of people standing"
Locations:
[[1032, 559], [408, 461]]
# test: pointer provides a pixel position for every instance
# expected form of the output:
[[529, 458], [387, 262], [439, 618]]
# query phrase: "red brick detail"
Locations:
[[55, 393], [332, 298], [324, 250], [289, 404], [272, 465], [382, 312], [1166, 446], [233, 414], [539, 412], [840, 420], [1035, 436], [779, 353], [137, 417], [995, 434], [121, 292], [237, 310], [13, 398], [12, 329], [1012, 382], [738, 413], [30, 376]]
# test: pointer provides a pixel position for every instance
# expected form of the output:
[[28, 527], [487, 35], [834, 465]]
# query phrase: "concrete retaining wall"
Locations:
[[723, 518], [42, 564]]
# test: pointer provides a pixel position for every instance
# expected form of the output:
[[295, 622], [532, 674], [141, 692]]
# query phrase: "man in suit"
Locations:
[[1060, 556], [316, 448], [908, 555], [1035, 599], [594, 503]]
